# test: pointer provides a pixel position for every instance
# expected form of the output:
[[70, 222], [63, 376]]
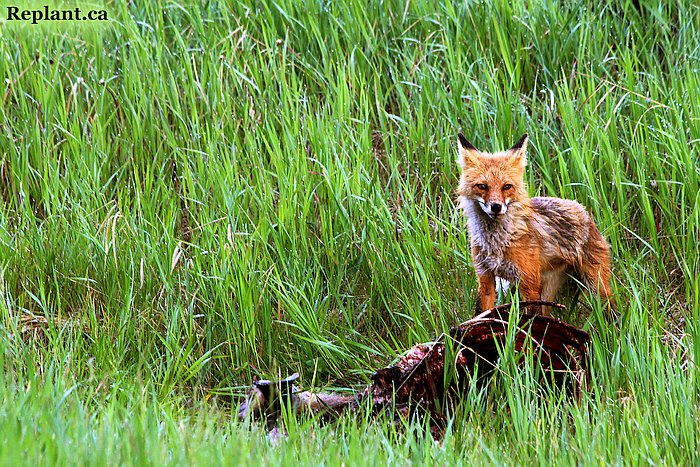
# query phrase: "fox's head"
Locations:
[[493, 181]]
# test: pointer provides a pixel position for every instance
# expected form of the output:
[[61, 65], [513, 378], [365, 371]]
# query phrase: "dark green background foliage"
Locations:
[[192, 195]]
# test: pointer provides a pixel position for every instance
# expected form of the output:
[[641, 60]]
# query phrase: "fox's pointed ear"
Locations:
[[467, 152], [519, 151], [463, 143]]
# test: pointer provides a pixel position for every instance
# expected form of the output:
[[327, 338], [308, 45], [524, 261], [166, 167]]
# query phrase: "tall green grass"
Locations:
[[196, 194]]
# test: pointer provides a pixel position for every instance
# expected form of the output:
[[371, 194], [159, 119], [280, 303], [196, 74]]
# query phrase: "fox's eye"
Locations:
[[482, 186], [507, 186]]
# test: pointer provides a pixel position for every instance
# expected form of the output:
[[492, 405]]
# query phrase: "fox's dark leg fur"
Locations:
[[531, 289], [487, 292], [595, 265], [527, 262]]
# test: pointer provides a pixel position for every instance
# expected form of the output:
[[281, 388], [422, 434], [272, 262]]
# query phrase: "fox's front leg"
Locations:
[[527, 263], [531, 290], [487, 292]]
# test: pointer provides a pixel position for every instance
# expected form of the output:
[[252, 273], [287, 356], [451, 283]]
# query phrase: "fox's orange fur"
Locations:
[[535, 242]]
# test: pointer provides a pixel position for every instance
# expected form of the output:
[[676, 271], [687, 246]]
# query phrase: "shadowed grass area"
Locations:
[[193, 195]]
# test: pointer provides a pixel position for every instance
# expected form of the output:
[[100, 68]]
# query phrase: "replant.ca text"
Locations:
[[15, 13]]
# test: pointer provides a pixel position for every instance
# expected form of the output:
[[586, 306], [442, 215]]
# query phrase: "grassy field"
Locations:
[[194, 195]]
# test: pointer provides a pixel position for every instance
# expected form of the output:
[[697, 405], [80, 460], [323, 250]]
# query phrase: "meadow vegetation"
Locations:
[[192, 195]]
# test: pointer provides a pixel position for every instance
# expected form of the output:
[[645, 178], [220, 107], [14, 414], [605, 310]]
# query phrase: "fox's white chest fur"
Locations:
[[493, 237]]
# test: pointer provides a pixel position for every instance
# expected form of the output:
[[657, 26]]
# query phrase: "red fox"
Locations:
[[535, 242]]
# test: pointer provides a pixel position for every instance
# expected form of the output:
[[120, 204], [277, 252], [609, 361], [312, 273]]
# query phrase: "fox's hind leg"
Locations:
[[551, 283], [595, 265], [597, 276]]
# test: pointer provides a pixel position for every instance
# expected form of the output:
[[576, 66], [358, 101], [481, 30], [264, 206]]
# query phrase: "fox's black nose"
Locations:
[[495, 208]]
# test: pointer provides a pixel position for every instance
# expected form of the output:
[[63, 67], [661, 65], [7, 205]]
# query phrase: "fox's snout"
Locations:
[[493, 209], [496, 208]]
